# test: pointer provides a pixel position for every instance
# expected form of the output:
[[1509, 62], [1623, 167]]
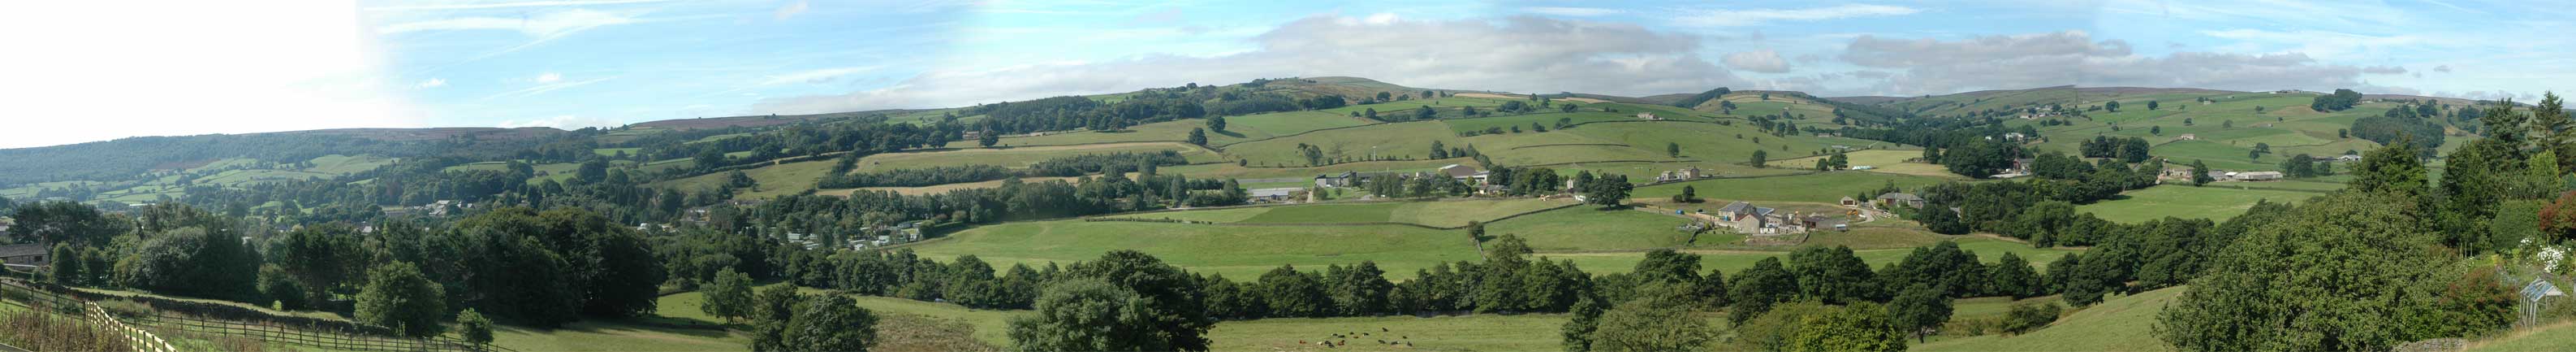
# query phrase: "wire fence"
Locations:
[[149, 327]]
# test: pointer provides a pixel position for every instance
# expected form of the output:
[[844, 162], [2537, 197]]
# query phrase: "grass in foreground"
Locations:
[[2118, 324]]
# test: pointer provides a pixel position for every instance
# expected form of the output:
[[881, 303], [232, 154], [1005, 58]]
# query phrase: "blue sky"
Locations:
[[233, 67]]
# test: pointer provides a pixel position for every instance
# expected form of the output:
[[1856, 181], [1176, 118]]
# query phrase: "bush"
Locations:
[[2026, 317]]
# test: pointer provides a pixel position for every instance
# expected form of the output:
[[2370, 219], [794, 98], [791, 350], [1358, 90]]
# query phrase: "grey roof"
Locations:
[[22, 250], [1736, 207]]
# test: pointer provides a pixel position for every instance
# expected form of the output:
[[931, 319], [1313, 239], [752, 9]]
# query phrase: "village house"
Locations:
[[1648, 116], [1688, 173], [1464, 173], [1908, 200], [24, 256], [1849, 202], [1746, 217], [2015, 136], [2348, 157], [1336, 180], [2187, 137]]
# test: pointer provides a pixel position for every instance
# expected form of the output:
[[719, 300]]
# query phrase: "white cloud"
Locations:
[[1524, 54], [549, 77], [1765, 61], [2326, 45], [2072, 58], [2442, 68], [1754, 17], [276, 65], [792, 9], [549, 25], [2383, 70], [815, 76], [1569, 11], [563, 122], [431, 83]]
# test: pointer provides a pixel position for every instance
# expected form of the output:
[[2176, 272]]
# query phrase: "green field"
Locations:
[[1236, 251], [2119, 323], [1812, 188], [773, 180], [1408, 140], [2216, 201], [1452, 213], [1485, 332], [1589, 228], [1019, 157]]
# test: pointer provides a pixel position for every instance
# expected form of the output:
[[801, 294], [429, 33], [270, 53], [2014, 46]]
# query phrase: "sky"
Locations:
[[86, 71]]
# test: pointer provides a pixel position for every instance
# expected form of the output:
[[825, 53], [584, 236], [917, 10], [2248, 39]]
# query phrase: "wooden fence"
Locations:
[[150, 329]]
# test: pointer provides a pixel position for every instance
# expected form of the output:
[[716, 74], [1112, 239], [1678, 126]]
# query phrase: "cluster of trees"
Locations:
[[2304, 166], [1695, 100], [2132, 149], [1120, 162], [2423, 135], [540, 269], [938, 175], [2340, 100]]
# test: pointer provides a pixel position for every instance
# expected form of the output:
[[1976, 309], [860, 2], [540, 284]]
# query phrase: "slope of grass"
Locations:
[[1019, 157], [1589, 228], [2216, 201], [1817, 188], [1236, 251], [1392, 140], [2117, 324]]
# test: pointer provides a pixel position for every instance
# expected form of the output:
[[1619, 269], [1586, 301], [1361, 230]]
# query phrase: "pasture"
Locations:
[[1590, 228], [1020, 157], [1824, 187], [2119, 323], [1407, 140], [2216, 201], [1223, 249]]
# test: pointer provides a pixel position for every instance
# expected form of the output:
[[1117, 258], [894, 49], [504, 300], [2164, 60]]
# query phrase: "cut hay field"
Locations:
[[1709, 141], [1881, 161], [1237, 251], [936, 189], [1388, 140], [2119, 323], [1020, 157], [1590, 228], [1813, 188], [2216, 201], [1448, 213], [1227, 170]]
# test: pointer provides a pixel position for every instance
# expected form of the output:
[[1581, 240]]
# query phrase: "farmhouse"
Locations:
[[1908, 200], [2187, 137], [23, 256], [1336, 180], [1678, 175], [1465, 173], [1648, 116], [1849, 202], [2348, 157], [2259, 176], [1746, 217]]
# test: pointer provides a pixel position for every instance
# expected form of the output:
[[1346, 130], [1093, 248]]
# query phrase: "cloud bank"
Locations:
[[1928, 66], [1521, 54]]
